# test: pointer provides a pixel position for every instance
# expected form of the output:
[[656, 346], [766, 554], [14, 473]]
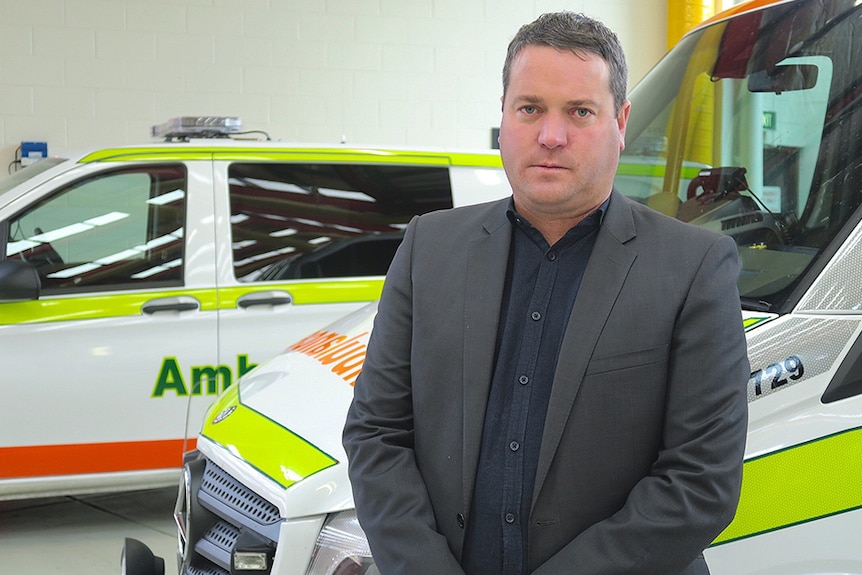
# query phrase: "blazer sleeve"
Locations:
[[693, 488], [392, 502]]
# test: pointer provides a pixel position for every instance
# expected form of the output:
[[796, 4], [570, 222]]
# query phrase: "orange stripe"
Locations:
[[749, 6], [74, 459]]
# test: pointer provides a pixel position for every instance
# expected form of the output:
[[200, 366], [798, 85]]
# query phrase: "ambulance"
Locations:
[[137, 283], [751, 126]]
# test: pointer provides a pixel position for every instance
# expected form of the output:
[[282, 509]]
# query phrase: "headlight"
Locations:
[[342, 548], [183, 513]]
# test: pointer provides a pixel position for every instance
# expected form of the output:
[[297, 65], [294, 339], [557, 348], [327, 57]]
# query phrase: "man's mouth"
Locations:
[[549, 166]]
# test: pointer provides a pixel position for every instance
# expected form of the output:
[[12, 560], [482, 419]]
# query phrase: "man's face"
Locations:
[[560, 136]]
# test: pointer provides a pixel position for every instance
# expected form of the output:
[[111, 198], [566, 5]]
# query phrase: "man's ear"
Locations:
[[622, 121]]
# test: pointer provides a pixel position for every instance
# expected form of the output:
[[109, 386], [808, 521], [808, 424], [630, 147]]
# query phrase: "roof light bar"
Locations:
[[185, 127]]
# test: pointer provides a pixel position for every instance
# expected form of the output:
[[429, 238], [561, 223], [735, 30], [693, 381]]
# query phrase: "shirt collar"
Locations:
[[595, 218]]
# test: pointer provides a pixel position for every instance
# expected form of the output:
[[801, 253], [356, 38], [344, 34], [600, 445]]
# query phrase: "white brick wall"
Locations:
[[80, 73]]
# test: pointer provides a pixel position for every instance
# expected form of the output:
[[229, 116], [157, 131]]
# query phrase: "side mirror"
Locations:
[[19, 281]]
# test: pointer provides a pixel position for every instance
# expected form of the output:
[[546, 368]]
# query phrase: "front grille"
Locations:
[[224, 488], [205, 570], [227, 508]]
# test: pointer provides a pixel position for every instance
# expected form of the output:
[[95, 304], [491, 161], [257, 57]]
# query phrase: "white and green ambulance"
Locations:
[[137, 283]]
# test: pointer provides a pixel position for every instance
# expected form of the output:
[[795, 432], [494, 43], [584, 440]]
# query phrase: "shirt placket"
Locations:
[[523, 385]]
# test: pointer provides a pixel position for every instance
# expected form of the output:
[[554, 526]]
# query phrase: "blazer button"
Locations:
[[461, 520]]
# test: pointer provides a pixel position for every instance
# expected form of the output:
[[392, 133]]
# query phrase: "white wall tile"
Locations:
[[214, 20], [98, 14], [379, 85], [89, 73], [355, 7], [16, 41], [193, 48], [278, 22], [33, 71], [323, 83], [300, 53], [433, 87], [149, 16], [307, 6], [214, 79], [128, 45], [242, 50], [382, 30], [64, 102], [58, 42], [354, 56], [404, 113], [155, 77], [43, 12], [326, 27], [247, 5], [17, 100], [471, 10], [411, 9], [436, 33], [275, 80], [300, 110], [408, 59], [112, 104]]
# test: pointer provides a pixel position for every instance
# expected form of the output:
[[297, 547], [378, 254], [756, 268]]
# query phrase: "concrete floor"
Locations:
[[84, 535]]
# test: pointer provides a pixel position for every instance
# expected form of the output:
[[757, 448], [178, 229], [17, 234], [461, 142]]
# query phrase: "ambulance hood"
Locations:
[[285, 417]]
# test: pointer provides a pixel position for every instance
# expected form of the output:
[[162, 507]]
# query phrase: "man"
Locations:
[[555, 383]]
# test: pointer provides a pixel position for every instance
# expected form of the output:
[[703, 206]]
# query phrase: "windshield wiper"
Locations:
[[752, 304]]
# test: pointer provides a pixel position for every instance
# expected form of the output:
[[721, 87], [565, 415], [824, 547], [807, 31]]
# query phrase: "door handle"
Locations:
[[271, 298], [177, 304]]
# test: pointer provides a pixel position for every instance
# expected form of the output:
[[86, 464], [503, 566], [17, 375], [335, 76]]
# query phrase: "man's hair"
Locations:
[[576, 33]]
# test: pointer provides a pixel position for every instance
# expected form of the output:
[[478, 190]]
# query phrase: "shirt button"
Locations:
[[510, 518], [523, 380], [536, 316], [514, 445], [552, 256]]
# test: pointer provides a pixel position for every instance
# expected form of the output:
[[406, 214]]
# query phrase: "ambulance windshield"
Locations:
[[752, 127]]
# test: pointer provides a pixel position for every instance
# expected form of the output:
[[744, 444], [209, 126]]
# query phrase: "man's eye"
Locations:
[[582, 113], [529, 110]]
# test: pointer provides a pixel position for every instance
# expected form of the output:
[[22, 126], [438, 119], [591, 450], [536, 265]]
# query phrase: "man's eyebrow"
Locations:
[[530, 99], [582, 103]]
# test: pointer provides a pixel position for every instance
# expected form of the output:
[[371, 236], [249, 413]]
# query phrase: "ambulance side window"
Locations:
[[117, 229], [847, 381], [304, 221]]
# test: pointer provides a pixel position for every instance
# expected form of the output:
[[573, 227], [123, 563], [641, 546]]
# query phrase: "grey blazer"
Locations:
[[641, 457]]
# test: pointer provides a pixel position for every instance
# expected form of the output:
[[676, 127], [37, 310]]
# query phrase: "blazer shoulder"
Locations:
[[465, 219]]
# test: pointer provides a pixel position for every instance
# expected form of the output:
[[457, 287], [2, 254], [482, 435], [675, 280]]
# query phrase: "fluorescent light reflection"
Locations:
[[136, 252], [167, 198], [157, 269], [63, 233], [264, 256]]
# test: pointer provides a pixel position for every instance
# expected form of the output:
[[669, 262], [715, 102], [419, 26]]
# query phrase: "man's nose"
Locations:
[[553, 132]]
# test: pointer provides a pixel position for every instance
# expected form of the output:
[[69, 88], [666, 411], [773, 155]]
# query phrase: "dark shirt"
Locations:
[[541, 285]]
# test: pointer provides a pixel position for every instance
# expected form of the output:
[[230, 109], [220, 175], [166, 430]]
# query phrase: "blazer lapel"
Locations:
[[487, 260], [603, 279]]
